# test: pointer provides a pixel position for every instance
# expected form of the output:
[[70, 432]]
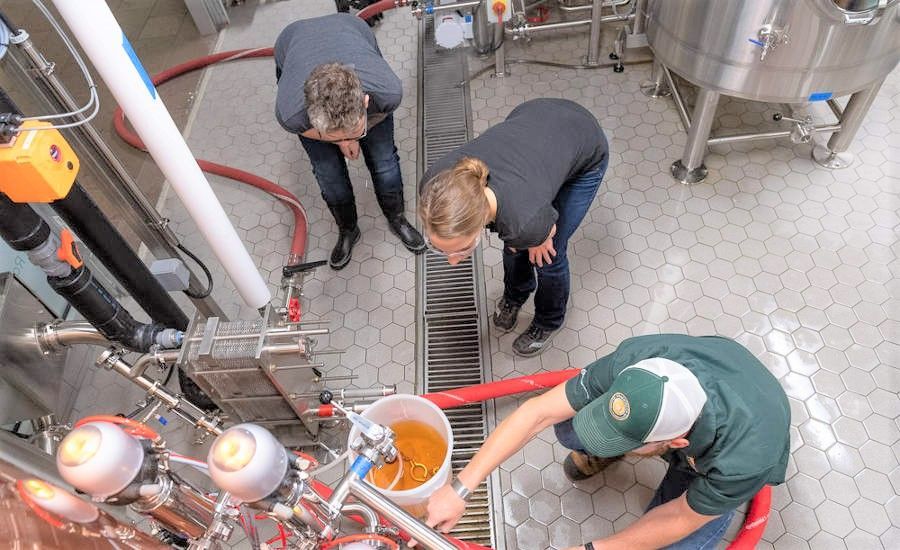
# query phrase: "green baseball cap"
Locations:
[[653, 400]]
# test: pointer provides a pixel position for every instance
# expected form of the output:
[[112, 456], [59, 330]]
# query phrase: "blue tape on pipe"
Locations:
[[361, 466], [820, 96], [126, 45]]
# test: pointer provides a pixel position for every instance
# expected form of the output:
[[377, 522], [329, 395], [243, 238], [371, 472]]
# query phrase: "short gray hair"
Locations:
[[334, 98]]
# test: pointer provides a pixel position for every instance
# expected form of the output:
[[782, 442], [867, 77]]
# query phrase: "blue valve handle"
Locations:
[[361, 466]]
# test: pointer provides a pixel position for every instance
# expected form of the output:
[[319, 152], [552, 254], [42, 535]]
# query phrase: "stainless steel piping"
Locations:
[[677, 98], [398, 516], [455, 6], [112, 359], [593, 57], [757, 136], [366, 512], [499, 50], [587, 7], [58, 335]]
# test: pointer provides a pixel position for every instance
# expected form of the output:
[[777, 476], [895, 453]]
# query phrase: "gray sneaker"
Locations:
[[533, 341], [505, 316]]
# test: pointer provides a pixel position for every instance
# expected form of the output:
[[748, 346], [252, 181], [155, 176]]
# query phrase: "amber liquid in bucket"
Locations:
[[418, 444]]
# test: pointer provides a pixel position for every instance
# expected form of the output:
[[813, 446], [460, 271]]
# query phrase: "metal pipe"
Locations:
[[499, 49], [144, 361], [720, 140], [112, 359], [586, 7], [270, 332], [366, 512], [640, 17], [525, 29], [853, 116], [455, 6], [698, 134], [398, 516], [657, 86], [593, 57], [680, 106], [146, 222], [58, 335]]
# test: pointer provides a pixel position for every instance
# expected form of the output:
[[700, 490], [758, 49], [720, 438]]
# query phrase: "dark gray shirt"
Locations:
[[342, 38], [541, 145]]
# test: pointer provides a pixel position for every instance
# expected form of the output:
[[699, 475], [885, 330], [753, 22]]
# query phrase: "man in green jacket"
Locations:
[[704, 404]]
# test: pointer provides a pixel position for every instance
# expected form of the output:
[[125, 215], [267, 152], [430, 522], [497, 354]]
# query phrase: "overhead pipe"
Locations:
[[102, 39]]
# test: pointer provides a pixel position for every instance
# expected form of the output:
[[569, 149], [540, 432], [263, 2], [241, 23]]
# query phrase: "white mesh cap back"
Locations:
[[683, 398]]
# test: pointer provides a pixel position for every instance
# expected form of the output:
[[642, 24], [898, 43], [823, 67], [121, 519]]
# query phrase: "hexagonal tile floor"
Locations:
[[796, 262]]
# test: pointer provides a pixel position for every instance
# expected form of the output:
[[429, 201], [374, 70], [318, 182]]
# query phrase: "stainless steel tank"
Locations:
[[777, 50]]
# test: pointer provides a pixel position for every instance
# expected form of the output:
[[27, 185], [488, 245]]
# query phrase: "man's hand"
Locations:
[[350, 149], [445, 508], [544, 252]]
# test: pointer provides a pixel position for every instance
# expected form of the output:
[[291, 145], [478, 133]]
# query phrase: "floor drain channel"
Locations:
[[452, 352]]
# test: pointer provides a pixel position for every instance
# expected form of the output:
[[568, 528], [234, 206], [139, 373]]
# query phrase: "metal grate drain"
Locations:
[[452, 353]]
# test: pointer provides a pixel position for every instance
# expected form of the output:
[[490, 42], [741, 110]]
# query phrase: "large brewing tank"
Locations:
[[777, 50]]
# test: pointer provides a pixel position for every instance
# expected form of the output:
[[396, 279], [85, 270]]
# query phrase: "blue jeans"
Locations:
[[572, 203], [673, 485], [381, 158]]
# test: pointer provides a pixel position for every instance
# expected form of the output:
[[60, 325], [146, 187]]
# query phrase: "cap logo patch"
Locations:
[[619, 407]]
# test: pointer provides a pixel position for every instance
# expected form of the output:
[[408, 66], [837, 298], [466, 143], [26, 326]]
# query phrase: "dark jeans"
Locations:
[[673, 485], [572, 203], [381, 158]]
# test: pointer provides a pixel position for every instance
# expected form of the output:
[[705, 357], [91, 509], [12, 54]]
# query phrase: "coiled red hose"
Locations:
[[298, 242]]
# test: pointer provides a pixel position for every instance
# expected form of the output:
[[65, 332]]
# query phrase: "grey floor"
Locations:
[[796, 262]]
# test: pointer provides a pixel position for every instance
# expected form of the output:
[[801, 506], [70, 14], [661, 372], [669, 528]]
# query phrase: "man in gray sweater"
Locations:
[[338, 94]]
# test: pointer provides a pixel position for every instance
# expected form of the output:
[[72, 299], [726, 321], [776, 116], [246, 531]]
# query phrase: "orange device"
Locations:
[[37, 165]]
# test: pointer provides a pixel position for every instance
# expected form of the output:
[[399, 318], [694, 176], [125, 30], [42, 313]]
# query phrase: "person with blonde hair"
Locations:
[[531, 179], [337, 93]]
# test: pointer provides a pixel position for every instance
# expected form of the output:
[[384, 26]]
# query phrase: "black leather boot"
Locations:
[[345, 217], [392, 206]]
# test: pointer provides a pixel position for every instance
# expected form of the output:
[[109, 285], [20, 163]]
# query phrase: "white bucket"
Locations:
[[396, 408]]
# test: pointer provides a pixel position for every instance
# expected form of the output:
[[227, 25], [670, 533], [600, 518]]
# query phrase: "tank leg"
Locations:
[[499, 52], [656, 87], [593, 57], [835, 154], [690, 169]]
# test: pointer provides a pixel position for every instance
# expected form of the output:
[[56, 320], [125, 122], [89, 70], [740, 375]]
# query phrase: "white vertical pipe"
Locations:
[[102, 39]]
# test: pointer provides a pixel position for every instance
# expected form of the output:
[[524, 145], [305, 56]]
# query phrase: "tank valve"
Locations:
[[770, 37], [802, 130]]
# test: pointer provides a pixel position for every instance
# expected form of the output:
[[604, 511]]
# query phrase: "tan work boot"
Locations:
[[579, 466]]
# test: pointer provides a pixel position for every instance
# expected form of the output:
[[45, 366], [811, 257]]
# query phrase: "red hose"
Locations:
[[501, 388], [298, 243], [755, 521], [376, 8], [129, 426]]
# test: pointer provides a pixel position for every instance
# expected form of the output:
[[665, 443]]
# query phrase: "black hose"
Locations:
[[25, 230], [12, 28], [209, 278], [81, 289], [92, 226]]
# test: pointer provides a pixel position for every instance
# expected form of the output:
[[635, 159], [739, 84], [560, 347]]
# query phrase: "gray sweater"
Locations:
[[343, 38]]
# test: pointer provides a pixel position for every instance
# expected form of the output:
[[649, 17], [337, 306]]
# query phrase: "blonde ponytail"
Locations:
[[453, 203]]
